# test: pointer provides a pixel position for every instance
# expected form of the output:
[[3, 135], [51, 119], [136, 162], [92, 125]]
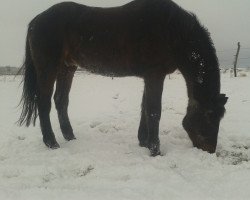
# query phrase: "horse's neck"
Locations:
[[202, 85]]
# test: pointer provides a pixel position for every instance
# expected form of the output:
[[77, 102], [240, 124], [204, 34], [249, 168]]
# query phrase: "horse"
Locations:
[[144, 38]]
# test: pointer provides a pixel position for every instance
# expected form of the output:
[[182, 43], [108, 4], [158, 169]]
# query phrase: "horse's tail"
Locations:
[[29, 95]]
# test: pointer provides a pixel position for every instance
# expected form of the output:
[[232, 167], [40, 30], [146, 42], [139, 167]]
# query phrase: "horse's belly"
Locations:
[[118, 60], [108, 67]]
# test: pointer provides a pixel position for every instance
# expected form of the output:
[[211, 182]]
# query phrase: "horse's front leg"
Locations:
[[143, 129], [152, 110]]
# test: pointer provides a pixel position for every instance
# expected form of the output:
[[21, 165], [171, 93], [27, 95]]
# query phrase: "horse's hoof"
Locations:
[[51, 144], [69, 137], [154, 149], [143, 144]]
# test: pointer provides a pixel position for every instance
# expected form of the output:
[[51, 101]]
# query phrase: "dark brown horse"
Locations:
[[144, 38]]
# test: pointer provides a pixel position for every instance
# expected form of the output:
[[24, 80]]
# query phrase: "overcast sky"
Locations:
[[227, 20]]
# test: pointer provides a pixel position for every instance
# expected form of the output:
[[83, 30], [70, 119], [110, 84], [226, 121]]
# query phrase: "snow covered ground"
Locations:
[[105, 162]]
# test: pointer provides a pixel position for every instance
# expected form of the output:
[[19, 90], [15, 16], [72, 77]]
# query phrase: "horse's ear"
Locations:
[[222, 99]]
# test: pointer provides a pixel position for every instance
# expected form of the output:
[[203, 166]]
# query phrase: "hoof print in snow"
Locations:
[[116, 96], [95, 124], [109, 128], [11, 174], [2, 158], [21, 138], [173, 166], [49, 177], [166, 132], [84, 172]]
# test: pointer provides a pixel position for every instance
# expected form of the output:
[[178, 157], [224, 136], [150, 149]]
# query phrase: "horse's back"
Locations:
[[124, 40]]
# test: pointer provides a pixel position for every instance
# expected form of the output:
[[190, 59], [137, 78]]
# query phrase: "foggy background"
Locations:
[[228, 22]]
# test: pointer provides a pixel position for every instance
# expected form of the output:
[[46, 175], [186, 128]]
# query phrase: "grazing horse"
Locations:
[[144, 38]]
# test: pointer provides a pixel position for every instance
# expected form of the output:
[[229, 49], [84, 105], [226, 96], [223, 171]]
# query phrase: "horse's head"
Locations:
[[202, 122]]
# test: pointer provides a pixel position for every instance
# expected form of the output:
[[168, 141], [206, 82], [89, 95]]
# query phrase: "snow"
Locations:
[[105, 162]]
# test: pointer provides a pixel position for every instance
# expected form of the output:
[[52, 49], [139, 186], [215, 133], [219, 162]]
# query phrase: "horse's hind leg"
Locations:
[[152, 111], [61, 98], [45, 82]]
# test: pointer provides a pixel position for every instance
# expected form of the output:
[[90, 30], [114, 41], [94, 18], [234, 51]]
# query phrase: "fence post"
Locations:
[[236, 60]]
